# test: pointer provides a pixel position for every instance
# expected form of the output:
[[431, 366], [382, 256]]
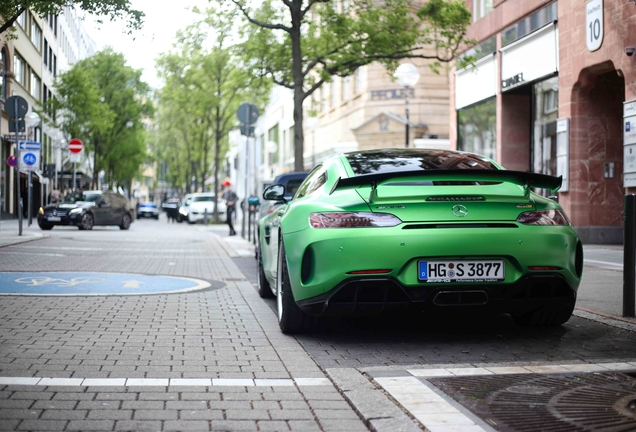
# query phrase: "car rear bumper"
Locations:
[[371, 296]]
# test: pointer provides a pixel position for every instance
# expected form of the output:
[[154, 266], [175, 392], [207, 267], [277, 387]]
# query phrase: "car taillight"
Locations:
[[543, 217], [352, 220]]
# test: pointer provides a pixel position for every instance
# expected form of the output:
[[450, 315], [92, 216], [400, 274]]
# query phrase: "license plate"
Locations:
[[53, 218], [461, 271]]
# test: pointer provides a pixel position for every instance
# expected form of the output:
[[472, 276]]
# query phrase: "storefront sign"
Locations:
[[629, 143], [476, 83], [594, 24], [530, 58], [391, 94]]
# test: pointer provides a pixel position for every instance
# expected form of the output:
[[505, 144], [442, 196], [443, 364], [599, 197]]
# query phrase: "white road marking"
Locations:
[[165, 382]]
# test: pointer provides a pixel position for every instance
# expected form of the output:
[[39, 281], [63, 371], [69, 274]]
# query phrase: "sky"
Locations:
[[142, 47]]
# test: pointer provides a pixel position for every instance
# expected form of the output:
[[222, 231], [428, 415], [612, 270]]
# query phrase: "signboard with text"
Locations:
[[629, 144]]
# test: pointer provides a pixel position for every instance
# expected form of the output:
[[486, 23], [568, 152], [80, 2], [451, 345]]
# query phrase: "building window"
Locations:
[[346, 84], [333, 94], [54, 65], [19, 68], [477, 128], [526, 26], [45, 53], [22, 20], [481, 8], [273, 135], [36, 85], [3, 75], [36, 35]]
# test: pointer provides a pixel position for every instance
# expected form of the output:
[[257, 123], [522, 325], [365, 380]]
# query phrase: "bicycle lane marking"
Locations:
[[97, 284]]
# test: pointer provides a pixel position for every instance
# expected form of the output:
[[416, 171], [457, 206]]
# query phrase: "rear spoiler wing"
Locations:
[[526, 179]]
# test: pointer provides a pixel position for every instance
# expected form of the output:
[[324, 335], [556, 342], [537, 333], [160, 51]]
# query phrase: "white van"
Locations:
[[202, 203]]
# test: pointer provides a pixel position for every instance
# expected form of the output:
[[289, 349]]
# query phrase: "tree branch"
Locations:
[[257, 22], [310, 5], [7, 25]]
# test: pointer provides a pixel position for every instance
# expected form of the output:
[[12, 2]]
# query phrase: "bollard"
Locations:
[[205, 217], [629, 256]]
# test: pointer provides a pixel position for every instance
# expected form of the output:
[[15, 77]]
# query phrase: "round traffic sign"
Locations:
[[29, 159], [12, 161], [75, 145], [247, 113]]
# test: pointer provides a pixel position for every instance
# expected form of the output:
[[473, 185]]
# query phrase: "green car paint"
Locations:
[[462, 216]]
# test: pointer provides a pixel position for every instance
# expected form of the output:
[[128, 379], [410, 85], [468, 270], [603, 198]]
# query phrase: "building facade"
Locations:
[[551, 92], [43, 49]]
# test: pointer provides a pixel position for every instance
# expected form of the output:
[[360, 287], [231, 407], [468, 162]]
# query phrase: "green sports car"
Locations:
[[373, 231]]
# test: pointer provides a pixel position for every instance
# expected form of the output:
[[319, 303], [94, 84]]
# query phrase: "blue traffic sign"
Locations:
[[96, 284], [29, 145], [29, 158]]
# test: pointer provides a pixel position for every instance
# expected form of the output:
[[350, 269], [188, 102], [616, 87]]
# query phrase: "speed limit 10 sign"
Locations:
[[594, 24]]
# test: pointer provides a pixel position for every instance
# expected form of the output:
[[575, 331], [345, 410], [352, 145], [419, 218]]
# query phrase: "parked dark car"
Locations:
[[87, 209], [148, 210]]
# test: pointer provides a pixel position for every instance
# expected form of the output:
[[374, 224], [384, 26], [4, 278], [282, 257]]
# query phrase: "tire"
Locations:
[[291, 319], [125, 222], [546, 316], [45, 227], [87, 222], [264, 288]]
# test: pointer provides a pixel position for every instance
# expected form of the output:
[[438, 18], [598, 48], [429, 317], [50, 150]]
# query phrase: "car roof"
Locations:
[[290, 176]]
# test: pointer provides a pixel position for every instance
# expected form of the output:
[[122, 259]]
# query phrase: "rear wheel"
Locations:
[[291, 319], [125, 222], [264, 289], [86, 223], [546, 316]]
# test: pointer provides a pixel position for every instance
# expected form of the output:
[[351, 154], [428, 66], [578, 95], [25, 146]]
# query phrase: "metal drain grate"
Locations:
[[564, 402]]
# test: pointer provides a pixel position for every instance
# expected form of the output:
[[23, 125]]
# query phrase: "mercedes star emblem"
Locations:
[[460, 210]]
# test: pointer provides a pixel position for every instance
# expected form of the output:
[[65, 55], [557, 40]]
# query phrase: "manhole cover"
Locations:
[[563, 402]]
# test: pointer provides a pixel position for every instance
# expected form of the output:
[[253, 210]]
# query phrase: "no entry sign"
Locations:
[[75, 145]]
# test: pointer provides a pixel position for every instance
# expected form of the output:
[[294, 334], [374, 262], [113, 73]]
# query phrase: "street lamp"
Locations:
[[31, 121], [407, 75]]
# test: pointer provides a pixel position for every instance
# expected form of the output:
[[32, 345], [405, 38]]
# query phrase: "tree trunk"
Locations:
[[299, 95]]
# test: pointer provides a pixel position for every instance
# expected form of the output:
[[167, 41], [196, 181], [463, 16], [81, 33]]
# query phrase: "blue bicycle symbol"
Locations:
[[29, 159]]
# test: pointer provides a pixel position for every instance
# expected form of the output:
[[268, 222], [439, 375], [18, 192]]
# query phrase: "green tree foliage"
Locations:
[[10, 10], [205, 82], [103, 101], [302, 44]]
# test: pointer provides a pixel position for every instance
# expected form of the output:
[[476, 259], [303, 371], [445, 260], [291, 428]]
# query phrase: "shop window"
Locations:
[[476, 126], [545, 103], [526, 26], [481, 8]]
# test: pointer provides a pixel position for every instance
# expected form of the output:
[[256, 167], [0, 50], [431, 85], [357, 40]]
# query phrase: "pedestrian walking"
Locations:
[[230, 198]]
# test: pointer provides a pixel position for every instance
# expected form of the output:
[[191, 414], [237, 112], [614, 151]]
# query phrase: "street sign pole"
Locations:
[[17, 167]]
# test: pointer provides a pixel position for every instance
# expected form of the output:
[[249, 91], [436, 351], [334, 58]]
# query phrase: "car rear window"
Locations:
[[203, 198], [391, 160], [149, 205]]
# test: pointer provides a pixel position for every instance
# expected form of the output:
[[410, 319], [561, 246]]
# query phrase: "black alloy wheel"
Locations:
[[86, 222], [125, 222]]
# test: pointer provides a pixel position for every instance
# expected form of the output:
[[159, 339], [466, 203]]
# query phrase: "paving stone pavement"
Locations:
[[215, 334]]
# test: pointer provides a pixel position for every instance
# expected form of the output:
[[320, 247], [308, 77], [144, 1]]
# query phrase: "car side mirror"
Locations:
[[554, 198], [274, 192]]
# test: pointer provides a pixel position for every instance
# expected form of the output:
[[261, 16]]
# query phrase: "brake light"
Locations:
[[352, 220], [543, 217]]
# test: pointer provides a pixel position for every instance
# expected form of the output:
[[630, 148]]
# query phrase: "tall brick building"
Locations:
[[551, 92]]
